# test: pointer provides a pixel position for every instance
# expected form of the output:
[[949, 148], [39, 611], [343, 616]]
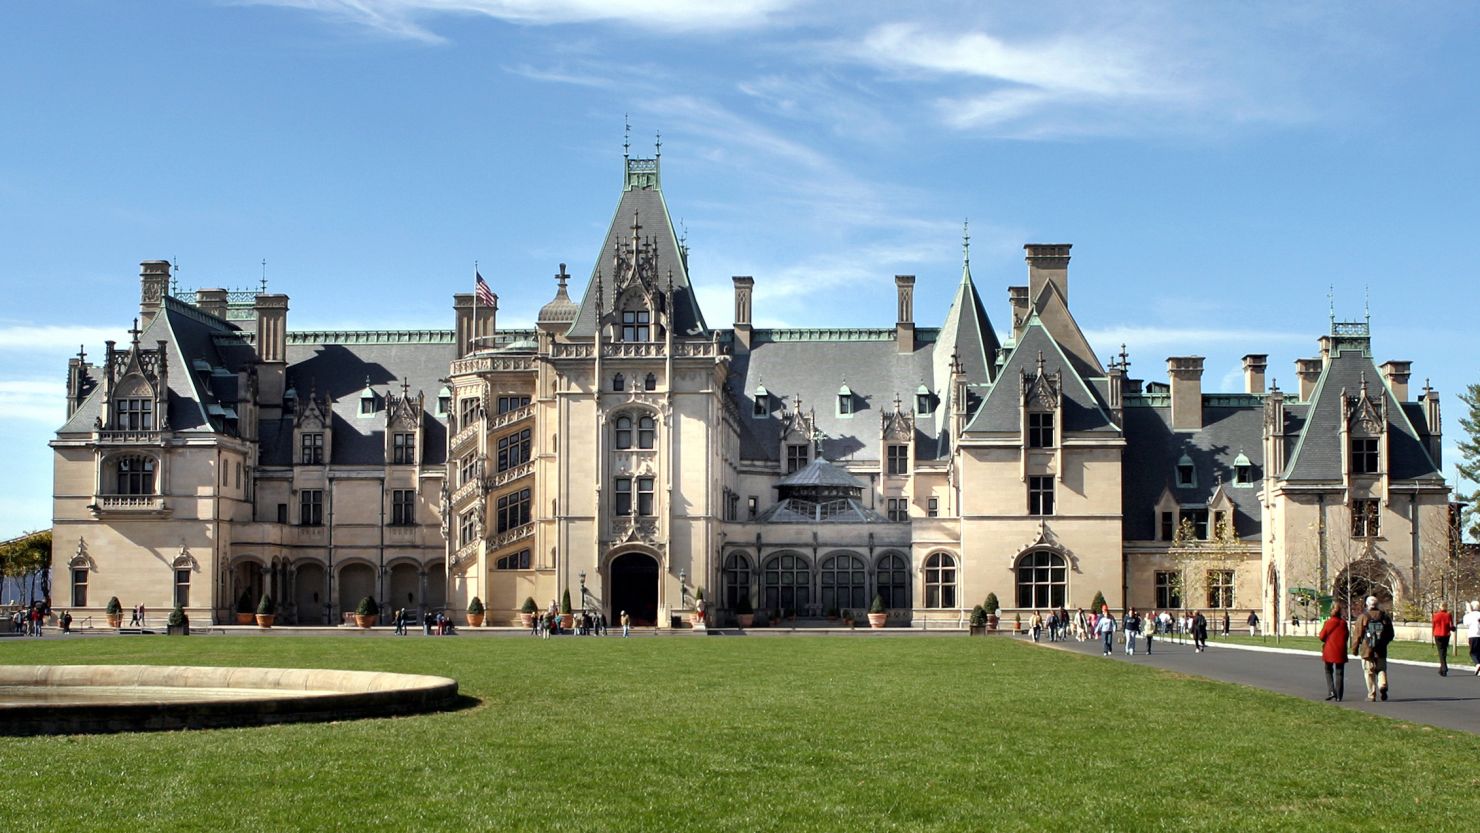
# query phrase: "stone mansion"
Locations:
[[631, 453]]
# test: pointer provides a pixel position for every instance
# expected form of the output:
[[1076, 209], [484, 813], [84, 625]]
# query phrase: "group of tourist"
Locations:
[[28, 620], [1368, 638], [585, 623], [432, 624], [1082, 626]]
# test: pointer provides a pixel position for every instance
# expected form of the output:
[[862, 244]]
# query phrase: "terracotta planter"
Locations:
[[745, 619], [246, 618], [848, 623], [115, 620], [365, 621], [877, 620], [978, 630], [567, 621], [526, 619], [991, 621], [475, 620], [265, 620]]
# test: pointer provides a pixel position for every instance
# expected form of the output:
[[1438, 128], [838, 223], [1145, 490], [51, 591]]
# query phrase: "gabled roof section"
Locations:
[[1318, 454], [642, 200], [820, 472], [1053, 310], [1001, 412], [968, 334]]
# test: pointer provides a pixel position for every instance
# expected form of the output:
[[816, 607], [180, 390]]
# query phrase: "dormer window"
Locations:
[[444, 402], [403, 449], [1186, 474], [1243, 471], [290, 400], [133, 414], [1364, 455], [636, 325], [1040, 430], [845, 401], [311, 448], [762, 402], [367, 403], [922, 400]]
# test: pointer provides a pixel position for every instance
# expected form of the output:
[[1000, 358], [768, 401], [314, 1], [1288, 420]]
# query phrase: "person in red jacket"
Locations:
[[1334, 635], [1443, 630]]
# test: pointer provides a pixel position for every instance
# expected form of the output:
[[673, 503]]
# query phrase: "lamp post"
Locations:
[[582, 576]]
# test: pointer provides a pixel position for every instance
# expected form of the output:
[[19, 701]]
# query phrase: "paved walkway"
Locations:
[[1416, 692]]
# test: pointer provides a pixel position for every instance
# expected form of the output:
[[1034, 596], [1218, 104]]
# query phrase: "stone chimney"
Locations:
[[472, 335], [1430, 401], [1186, 375], [1308, 371], [1254, 365], [1017, 296], [272, 349], [211, 301], [744, 287], [1396, 373], [154, 285], [904, 329], [1048, 263]]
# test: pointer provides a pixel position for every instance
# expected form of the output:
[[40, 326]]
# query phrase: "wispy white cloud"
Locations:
[[33, 401], [1186, 338], [34, 338], [403, 18]]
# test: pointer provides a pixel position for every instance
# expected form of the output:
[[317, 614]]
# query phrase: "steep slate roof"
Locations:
[[821, 473], [651, 210], [1318, 455], [1153, 449], [815, 364], [190, 335], [1002, 410]]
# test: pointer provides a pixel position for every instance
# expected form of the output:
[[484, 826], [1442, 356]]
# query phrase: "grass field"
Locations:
[[735, 734]]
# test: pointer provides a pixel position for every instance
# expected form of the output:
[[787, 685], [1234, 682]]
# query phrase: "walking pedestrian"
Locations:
[[1472, 630], [1253, 621], [1227, 622], [1369, 640], [133, 617], [1443, 630], [626, 625], [1081, 625], [1334, 635], [1105, 629], [1200, 631], [1150, 630], [1036, 624], [1132, 631]]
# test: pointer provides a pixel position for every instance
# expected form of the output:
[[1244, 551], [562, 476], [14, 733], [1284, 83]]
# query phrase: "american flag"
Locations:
[[485, 295]]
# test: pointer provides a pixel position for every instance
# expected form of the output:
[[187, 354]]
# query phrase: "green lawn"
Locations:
[[1406, 649], [745, 734]]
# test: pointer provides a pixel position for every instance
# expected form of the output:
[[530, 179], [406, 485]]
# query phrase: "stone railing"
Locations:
[[465, 491], [129, 503], [508, 418], [637, 350], [121, 437], [572, 351], [490, 364], [467, 432], [462, 557], [504, 478], [503, 539]]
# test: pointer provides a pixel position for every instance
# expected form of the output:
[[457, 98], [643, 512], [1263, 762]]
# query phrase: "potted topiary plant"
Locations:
[[994, 611], [245, 611], [877, 613], [1017, 622], [744, 613], [366, 613], [1098, 605], [266, 611], [475, 613], [527, 612], [567, 619], [178, 624], [114, 613], [978, 621], [848, 617]]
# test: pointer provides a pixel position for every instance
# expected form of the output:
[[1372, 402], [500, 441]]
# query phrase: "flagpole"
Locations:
[[473, 334]]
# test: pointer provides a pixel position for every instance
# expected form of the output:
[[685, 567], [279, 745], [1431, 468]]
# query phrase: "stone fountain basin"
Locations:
[[68, 699]]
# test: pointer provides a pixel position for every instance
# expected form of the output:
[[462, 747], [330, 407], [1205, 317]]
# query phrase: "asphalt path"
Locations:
[[1416, 692]]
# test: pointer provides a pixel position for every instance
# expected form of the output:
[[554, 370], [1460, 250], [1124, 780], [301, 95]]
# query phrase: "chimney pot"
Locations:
[[904, 329], [1048, 263], [1186, 383], [1309, 372], [1396, 372], [1254, 367]]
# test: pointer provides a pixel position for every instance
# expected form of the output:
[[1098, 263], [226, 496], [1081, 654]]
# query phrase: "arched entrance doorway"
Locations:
[[634, 583], [308, 602], [1360, 579]]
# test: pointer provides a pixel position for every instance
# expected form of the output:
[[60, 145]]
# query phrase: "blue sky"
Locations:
[[1216, 166]]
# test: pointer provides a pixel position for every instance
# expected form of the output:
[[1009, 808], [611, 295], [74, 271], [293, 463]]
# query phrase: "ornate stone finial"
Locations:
[[134, 332], [1274, 385], [796, 401], [659, 153], [561, 277], [1125, 359], [263, 290], [1040, 362], [626, 136], [1363, 377], [966, 242], [405, 387], [897, 402]]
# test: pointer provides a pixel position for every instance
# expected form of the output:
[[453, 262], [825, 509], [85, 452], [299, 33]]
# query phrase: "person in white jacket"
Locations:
[[1472, 629], [1105, 629]]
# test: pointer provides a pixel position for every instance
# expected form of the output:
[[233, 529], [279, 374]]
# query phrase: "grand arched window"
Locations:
[[624, 432], [787, 583], [736, 577], [844, 582], [1042, 580], [940, 581], [894, 580], [135, 476]]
